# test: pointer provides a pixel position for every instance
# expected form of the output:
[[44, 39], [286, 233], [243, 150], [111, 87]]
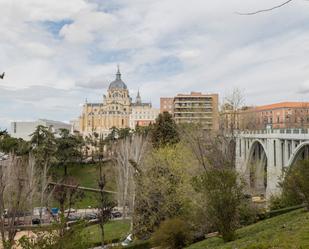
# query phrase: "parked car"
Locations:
[[73, 217], [91, 216], [36, 221], [116, 214]]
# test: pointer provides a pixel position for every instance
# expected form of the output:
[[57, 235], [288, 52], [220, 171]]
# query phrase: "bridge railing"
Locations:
[[277, 131]]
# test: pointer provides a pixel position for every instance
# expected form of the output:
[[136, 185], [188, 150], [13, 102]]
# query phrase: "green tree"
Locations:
[[163, 188], [164, 131], [172, 234], [12, 145], [67, 148], [105, 205], [223, 196], [295, 186], [44, 148]]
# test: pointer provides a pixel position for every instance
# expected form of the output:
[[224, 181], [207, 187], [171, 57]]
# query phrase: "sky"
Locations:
[[58, 53]]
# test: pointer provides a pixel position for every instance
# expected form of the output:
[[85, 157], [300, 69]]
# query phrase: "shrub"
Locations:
[[172, 234], [223, 193], [295, 187], [248, 213]]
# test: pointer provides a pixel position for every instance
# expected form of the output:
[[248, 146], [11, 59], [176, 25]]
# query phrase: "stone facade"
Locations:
[[143, 114], [114, 111]]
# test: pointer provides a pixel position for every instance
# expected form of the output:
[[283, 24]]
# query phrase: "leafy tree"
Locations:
[[172, 234], [164, 131], [223, 195], [73, 238], [295, 186], [67, 148], [124, 132], [44, 148], [163, 189]]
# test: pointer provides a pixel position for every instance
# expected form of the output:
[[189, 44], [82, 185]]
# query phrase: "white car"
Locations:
[[127, 241]]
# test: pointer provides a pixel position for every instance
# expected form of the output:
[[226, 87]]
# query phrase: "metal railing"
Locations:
[[276, 131]]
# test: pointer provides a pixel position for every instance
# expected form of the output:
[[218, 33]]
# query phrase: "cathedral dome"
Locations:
[[117, 83]]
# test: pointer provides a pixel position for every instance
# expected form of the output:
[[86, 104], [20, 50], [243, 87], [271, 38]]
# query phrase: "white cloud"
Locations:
[[164, 47]]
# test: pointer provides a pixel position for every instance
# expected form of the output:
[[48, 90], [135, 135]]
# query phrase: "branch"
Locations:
[[265, 10]]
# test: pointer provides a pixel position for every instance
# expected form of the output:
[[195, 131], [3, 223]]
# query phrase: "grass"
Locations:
[[86, 175], [114, 231], [287, 231]]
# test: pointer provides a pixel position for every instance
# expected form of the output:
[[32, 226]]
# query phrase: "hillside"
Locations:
[[287, 231], [86, 175]]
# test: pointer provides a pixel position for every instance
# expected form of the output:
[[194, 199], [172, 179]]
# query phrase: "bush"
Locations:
[[172, 234], [284, 200], [295, 187], [248, 213], [223, 193]]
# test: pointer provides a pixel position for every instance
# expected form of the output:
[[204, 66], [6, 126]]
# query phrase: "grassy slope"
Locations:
[[87, 176], [287, 231], [114, 230]]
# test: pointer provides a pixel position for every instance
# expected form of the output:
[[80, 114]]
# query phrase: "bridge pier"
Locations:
[[281, 148]]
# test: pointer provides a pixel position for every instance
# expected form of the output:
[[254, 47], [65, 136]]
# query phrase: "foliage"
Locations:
[[164, 131], [43, 145], [248, 213], [172, 234], [163, 189], [223, 196], [285, 232], [210, 149], [67, 148], [105, 205], [74, 238], [283, 200], [16, 146], [295, 185]]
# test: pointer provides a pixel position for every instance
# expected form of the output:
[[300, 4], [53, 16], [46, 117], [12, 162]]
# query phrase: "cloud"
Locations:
[[57, 53]]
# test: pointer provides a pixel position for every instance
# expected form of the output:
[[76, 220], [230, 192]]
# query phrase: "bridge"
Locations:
[[262, 156]]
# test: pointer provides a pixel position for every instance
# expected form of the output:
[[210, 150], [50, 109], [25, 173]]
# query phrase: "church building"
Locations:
[[114, 111]]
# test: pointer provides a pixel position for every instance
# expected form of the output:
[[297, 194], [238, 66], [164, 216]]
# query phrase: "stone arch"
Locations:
[[300, 153], [256, 168]]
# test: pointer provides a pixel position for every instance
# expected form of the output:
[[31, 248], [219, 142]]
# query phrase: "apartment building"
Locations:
[[197, 107]]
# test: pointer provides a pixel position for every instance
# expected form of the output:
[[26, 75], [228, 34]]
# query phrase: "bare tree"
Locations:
[[265, 10], [129, 149], [18, 183], [106, 206], [231, 107], [210, 149]]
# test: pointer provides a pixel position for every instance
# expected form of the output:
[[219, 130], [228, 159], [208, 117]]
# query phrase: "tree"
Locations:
[[18, 185], [223, 193], [12, 145], [67, 148], [43, 147], [66, 197], [295, 184], [163, 188], [172, 234], [129, 149], [105, 205], [211, 150], [164, 131], [267, 9], [230, 109]]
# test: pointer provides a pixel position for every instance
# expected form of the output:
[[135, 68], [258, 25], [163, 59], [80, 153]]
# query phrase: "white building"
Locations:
[[143, 114], [23, 129]]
